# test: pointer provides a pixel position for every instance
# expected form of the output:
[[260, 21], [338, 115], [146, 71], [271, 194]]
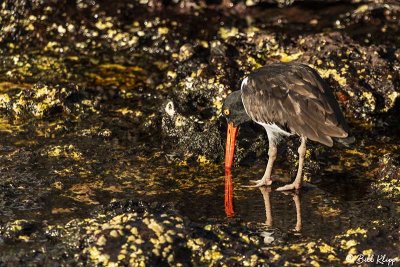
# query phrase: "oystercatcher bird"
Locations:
[[286, 99]]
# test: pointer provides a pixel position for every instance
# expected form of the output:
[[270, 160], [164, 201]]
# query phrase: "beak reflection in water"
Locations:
[[229, 194], [266, 194]]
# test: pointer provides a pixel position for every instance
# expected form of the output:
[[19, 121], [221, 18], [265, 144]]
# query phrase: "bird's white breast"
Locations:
[[274, 132]]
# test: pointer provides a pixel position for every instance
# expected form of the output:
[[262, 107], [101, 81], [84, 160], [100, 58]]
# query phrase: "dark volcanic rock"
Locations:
[[130, 233], [38, 100], [387, 177], [196, 69]]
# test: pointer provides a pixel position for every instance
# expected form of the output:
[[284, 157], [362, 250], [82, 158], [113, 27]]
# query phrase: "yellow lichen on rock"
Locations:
[[289, 57], [67, 151], [370, 101], [203, 160], [325, 73], [358, 230], [328, 211], [348, 244], [325, 248], [103, 24], [225, 32], [163, 30], [392, 99]]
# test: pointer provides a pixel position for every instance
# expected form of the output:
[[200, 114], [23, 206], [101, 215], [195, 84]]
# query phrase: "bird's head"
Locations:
[[233, 109], [235, 114]]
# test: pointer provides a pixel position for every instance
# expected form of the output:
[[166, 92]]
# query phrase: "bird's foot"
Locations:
[[264, 181], [291, 186], [259, 183]]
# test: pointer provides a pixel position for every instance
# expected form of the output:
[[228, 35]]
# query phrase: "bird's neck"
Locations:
[[241, 115]]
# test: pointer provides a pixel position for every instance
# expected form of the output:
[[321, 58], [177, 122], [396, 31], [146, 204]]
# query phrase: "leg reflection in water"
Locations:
[[268, 234], [268, 213], [265, 191]]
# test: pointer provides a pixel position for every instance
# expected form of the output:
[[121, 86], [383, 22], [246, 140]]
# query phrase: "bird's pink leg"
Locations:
[[266, 179], [299, 177]]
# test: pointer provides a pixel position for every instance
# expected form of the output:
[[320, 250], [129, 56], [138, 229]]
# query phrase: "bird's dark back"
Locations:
[[295, 95]]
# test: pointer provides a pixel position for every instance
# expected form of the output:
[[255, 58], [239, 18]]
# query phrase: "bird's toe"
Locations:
[[288, 187], [259, 183], [266, 182]]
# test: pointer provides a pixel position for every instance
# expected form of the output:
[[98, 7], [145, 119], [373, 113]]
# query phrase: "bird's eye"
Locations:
[[226, 112]]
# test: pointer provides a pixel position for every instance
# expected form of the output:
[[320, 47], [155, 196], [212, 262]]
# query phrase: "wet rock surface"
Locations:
[[112, 139], [132, 233]]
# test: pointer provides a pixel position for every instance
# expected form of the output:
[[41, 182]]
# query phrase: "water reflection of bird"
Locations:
[[228, 194], [266, 193], [268, 234], [286, 99]]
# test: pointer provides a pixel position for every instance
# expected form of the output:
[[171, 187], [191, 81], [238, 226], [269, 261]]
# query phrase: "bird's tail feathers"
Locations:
[[345, 141]]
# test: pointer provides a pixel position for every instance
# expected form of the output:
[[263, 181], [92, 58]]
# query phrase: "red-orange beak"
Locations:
[[230, 145]]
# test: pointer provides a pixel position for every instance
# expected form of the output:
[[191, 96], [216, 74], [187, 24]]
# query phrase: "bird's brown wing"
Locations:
[[296, 96]]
